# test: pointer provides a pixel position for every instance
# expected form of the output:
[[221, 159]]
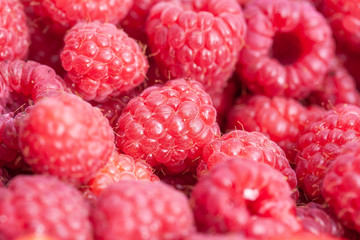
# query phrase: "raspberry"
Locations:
[[120, 167], [252, 145], [15, 38], [338, 87], [199, 39], [319, 220], [343, 17], [320, 144], [341, 188], [281, 119], [240, 195], [167, 126], [43, 204], [66, 13], [65, 136], [141, 210], [288, 48], [102, 61]]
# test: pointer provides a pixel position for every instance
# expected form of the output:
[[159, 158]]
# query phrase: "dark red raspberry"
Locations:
[[168, 125], [320, 144], [199, 39], [65, 136], [102, 61], [281, 119], [288, 49], [240, 195], [120, 167], [318, 219], [338, 87], [341, 186], [344, 19], [63, 14], [15, 38], [142, 210], [252, 145], [43, 204]]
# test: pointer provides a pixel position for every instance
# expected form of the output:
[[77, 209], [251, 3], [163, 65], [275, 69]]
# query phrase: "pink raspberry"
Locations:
[[344, 19], [320, 144], [338, 87], [63, 14], [15, 38], [142, 210], [120, 167], [319, 220], [281, 119], [65, 136], [288, 49], [341, 186], [240, 195], [167, 126], [102, 61], [43, 204], [252, 145], [199, 39]]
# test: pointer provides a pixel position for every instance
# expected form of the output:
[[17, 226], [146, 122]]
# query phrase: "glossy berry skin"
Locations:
[[168, 125], [63, 14], [252, 145], [280, 119], [341, 188], [344, 19], [15, 38], [43, 204], [240, 195], [102, 61], [318, 219], [320, 144], [288, 48], [338, 87], [198, 39], [120, 167], [141, 210], [65, 136]]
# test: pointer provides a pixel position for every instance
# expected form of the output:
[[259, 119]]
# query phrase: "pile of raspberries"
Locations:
[[179, 119]]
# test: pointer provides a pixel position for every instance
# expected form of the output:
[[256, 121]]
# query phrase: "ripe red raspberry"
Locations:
[[142, 210], [252, 145], [341, 187], [281, 119], [320, 144], [168, 125], [15, 38], [199, 39], [63, 14], [344, 19], [43, 204], [65, 136], [319, 220], [240, 195], [102, 61], [120, 167], [338, 87], [288, 49]]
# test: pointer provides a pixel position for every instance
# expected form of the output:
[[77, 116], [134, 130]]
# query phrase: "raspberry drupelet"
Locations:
[[142, 210], [43, 204], [288, 50], [102, 61], [168, 125], [320, 144], [65, 136], [240, 195], [199, 39]]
